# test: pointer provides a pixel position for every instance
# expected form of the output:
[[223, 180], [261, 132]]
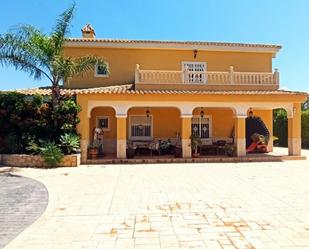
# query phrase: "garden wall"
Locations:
[[22, 160]]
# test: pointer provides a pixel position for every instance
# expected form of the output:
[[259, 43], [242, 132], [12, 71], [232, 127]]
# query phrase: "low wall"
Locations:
[[36, 161]]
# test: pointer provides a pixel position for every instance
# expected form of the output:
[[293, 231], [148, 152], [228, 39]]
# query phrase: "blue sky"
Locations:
[[260, 21]]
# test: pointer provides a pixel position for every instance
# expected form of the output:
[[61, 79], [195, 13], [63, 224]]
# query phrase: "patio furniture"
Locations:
[[220, 147], [207, 147]]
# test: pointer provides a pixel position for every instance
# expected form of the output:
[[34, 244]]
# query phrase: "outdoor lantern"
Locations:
[[250, 113], [147, 113], [202, 113], [194, 53]]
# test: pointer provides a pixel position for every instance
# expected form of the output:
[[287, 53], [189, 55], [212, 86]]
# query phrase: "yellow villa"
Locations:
[[169, 90]]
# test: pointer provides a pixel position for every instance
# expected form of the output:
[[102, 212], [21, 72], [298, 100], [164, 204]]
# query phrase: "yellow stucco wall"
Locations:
[[222, 121], [109, 138], [166, 121], [266, 116], [122, 63], [104, 111]]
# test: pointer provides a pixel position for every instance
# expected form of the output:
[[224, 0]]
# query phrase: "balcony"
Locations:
[[185, 79]]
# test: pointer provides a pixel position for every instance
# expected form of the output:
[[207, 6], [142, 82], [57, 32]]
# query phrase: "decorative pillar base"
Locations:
[[240, 135], [241, 147], [121, 137], [121, 149], [294, 146], [294, 131], [185, 135], [270, 144], [84, 150], [186, 148]]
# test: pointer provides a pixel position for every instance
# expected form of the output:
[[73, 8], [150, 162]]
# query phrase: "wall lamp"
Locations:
[[195, 53]]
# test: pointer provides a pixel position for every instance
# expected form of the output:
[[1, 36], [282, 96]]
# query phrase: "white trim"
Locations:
[[210, 124], [186, 107], [96, 75], [174, 46], [108, 122], [141, 138]]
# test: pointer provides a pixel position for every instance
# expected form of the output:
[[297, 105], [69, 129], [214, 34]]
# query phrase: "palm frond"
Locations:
[[28, 46], [23, 64], [67, 67], [88, 62], [63, 67], [62, 28]]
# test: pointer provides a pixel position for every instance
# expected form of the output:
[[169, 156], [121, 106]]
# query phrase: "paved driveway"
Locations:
[[246, 205], [22, 201]]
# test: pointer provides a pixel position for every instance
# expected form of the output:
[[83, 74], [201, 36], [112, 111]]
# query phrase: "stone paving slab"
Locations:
[[22, 201], [244, 206]]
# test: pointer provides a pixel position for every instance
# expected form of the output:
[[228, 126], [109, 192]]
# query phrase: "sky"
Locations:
[[284, 22]]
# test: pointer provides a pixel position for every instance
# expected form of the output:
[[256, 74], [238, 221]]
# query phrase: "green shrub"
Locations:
[[51, 153], [281, 126], [305, 129], [34, 147], [11, 144], [69, 143], [25, 120]]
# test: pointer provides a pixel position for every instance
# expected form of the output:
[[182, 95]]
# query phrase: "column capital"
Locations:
[[186, 115], [121, 115], [240, 116], [186, 110], [241, 111]]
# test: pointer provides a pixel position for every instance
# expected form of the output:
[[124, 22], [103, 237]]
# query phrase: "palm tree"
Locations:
[[29, 50]]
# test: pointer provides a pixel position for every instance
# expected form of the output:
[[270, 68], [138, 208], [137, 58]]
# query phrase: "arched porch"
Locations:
[[173, 119]]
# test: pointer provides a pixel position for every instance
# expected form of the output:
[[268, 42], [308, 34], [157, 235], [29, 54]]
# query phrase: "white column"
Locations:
[[240, 130], [185, 135], [121, 136], [294, 130]]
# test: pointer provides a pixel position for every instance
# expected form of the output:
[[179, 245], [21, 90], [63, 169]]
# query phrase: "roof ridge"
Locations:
[[218, 43]]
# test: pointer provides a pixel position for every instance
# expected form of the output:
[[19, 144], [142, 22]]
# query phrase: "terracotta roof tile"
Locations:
[[228, 44], [127, 89]]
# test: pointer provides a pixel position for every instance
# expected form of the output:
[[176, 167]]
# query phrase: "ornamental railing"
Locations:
[[205, 77]]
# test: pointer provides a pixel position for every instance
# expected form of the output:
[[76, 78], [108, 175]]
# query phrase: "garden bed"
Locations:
[[36, 161]]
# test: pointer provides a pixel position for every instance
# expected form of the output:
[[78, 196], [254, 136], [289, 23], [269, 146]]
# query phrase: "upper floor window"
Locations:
[[101, 71], [196, 71]]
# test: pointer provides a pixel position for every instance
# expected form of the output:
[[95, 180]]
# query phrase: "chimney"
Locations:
[[88, 31]]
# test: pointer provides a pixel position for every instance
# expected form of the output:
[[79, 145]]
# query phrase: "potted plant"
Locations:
[[230, 150], [177, 152], [195, 143], [93, 149], [130, 150]]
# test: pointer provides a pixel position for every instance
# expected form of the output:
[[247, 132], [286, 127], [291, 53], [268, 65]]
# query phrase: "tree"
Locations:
[[280, 122], [305, 106], [29, 50]]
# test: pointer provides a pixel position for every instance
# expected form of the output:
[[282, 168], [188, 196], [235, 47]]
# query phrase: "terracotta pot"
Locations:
[[130, 153], [93, 152], [178, 152], [195, 155]]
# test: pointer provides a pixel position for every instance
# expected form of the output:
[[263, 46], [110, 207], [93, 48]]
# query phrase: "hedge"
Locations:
[[281, 127], [26, 120]]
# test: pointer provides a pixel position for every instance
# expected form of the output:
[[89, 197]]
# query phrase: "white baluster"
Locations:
[[231, 75], [276, 77]]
